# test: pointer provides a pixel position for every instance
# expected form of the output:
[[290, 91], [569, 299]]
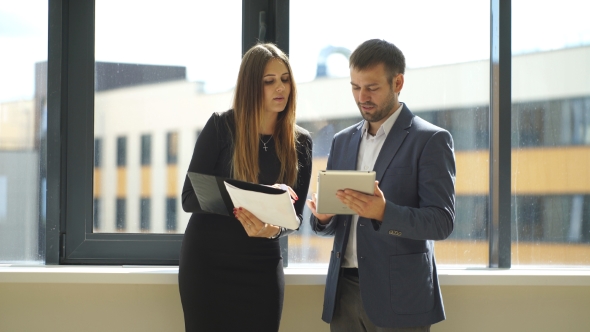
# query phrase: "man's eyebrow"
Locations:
[[366, 85]]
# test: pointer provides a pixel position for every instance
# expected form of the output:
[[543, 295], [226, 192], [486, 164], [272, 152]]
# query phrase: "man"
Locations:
[[382, 275]]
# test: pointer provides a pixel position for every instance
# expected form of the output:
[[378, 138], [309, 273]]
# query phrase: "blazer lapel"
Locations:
[[393, 141], [353, 148]]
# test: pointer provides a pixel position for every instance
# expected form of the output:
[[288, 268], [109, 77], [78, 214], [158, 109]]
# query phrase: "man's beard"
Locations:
[[381, 112]]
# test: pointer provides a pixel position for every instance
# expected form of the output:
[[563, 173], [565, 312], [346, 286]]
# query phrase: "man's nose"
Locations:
[[364, 96]]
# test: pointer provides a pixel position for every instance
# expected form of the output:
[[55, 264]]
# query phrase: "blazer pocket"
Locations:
[[412, 291]]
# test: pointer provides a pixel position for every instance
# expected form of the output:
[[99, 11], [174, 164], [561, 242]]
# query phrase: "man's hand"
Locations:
[[322, 217], [372, 207]]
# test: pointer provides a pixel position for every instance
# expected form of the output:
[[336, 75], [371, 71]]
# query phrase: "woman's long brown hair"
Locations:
[[248, 112]]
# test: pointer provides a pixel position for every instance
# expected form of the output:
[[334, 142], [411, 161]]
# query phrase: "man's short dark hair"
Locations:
[[375, 51]]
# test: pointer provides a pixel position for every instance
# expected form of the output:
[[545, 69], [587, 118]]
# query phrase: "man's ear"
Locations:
[[398, 83]]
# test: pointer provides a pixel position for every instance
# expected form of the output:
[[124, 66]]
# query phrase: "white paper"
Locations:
[[271, 209]]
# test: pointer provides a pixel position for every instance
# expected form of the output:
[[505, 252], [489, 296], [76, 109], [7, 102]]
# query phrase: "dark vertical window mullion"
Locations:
[[500, 133], [281, 32], [80, 123], [250, 21], [56, 102]]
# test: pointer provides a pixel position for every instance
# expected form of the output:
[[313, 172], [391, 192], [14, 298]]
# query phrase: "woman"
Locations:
[[231, 271]]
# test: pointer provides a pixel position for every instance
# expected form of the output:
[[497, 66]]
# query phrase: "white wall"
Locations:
[[104, 307]]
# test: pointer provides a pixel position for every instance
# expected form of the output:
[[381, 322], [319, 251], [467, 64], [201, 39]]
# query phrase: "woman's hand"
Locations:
[[287, 188], [253, 226]]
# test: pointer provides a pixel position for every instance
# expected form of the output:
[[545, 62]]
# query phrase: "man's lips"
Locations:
[[367, 107]]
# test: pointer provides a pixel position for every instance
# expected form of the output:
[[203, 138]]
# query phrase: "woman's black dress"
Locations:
[[229, 281]]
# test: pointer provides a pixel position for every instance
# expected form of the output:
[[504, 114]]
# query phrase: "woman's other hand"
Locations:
[[288, 189], [253, 226]]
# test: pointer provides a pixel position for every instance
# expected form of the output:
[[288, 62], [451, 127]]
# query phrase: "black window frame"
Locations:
[[69, 236]]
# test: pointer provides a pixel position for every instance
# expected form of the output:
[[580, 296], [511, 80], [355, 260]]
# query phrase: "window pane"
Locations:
[[550, 134], [446, 83], [160, 73], [23, 124]]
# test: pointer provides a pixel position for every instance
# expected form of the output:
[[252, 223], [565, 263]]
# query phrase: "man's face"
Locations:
[[375, 97]]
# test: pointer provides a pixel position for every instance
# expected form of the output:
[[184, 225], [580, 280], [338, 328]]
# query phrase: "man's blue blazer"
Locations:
[[397, 272]]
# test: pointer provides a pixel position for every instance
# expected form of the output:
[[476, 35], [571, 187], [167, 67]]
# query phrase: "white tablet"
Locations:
[[331, 181]]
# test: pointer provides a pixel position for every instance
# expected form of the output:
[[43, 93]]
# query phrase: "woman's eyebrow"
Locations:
[[285, 73]]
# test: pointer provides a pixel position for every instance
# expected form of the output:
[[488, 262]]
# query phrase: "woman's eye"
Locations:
[[285, 80], [269, 82]]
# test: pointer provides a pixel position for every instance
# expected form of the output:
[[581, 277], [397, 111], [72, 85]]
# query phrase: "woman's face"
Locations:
[[277, 86]]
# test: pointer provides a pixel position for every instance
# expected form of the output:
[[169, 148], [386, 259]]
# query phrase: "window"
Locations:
[[97, 152], [96, 213], [172, 148], [146, 150], [121, 151], [550, 134], [145, 210], [171, 214], [23, 131], [96, 189], [152, 79], [159, 79], [450, 89], [121, 214], [145, 186], [154, 87]]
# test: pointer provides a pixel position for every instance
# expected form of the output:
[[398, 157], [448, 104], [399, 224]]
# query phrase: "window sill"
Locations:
[[293, 276]]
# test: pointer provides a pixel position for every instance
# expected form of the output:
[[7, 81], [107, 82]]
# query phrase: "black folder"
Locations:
[[213, 196]]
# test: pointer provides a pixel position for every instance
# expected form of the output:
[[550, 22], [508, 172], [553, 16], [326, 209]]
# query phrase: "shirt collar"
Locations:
[[386, 126]]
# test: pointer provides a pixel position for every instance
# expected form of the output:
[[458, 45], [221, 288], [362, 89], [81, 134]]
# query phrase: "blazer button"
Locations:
[[338, 255]]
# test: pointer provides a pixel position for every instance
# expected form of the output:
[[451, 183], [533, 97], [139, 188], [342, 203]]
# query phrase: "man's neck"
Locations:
[[374, 126]]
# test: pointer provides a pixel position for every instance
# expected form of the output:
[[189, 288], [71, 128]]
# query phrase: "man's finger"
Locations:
[[378, 191], [357, 195]]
